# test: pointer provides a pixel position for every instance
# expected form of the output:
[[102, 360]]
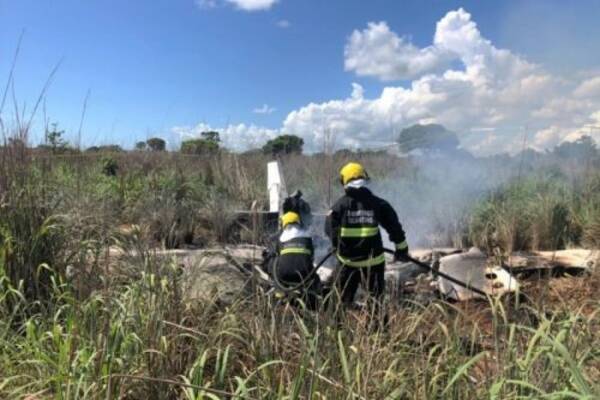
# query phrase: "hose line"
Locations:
[[285, 289]]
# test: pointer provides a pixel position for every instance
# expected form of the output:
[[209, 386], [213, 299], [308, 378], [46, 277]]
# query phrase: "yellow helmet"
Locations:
[[289, 218], [352, 171]]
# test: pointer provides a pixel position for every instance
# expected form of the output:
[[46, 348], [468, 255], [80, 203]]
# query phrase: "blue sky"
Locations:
[[173, 67]]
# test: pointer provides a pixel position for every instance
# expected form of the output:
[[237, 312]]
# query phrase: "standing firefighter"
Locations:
[[353, 227], [293, 267]]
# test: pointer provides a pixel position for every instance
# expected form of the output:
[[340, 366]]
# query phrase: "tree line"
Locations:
[[431, 138], [208, 143]]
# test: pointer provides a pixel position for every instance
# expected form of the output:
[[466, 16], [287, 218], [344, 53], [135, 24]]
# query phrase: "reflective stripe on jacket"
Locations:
[[294, 257]]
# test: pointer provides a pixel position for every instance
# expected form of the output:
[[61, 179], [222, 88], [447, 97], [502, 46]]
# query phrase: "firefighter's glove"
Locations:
[[401, 255]]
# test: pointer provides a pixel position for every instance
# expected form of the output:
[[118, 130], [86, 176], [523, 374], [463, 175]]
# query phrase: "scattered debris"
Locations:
[[219, 275], [222, 274], [434, 254], [554, 263]]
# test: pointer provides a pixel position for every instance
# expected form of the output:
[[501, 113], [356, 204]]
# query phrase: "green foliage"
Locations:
[[533, 213], [31, 239], [109, 148], [168, 205], [137, 338], [117, 326], [55, 143], [110, 167], [141, 146], [211, 136], [156, 144], [200, 147], [427, 137], [284, 144], [36, 240]]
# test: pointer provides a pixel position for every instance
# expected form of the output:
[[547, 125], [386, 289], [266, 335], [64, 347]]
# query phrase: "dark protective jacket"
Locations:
[[294, 260], [353, 227]]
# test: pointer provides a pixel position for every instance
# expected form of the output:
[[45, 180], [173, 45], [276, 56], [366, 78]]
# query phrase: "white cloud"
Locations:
[[554, 135], [264, 109], [244, 5], [481, 87], [588, 89], [377, 51], [493, 89], [283, 23], [548, 137], [253, 5], [235, 137], [590, 129]]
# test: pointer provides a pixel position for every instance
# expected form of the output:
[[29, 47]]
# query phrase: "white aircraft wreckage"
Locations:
[[474, 269]]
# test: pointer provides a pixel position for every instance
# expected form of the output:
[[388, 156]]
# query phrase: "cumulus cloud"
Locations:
[[377, 51], [236, 137], [461, 81], [252, 5], [590, 129], [493, 89], [245, 5], [588, 89], [264, 109]]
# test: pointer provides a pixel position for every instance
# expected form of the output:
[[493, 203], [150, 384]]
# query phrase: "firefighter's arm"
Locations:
[[332, 225], [389, 220]]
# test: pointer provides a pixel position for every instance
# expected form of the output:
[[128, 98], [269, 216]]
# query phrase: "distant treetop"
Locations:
[[284, 144], [427, 137], [207, 144], [156, 144], [582, 148]]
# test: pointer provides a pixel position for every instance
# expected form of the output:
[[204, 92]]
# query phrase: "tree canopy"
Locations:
[[427, 137], [108, 148], [211, 136], [208, 143], [284, 144], [55, 142], [156, 144]]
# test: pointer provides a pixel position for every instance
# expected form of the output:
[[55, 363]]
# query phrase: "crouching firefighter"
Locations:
[[292, 269], [353, 228]]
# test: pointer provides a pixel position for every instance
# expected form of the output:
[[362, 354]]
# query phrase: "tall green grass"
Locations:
[[539, 213], [136, 339], [75, 323]]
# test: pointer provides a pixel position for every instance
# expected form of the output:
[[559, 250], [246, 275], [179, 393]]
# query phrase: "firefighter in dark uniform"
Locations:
[[293, 267], [353, 227]]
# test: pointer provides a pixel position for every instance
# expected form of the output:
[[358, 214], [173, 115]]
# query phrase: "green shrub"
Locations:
[[533, 213], [199, 147], [284, 144], [110, 167]]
